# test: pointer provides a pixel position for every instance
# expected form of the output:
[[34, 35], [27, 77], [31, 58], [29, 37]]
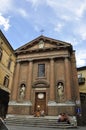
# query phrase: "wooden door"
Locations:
[[40, 101]]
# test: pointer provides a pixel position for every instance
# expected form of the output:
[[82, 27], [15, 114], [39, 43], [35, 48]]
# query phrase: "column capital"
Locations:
[[51, 58], [24, 60], [17, 61], [67, 58], [30, 60]]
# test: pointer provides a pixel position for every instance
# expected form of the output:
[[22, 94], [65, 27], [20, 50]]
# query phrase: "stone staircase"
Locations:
[[30, 121]]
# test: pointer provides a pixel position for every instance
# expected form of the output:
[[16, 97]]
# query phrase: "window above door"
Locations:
[[41, 70]]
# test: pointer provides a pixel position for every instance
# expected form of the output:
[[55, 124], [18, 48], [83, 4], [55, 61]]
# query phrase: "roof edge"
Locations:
[[44, 37], [7, 42], [81, 68]]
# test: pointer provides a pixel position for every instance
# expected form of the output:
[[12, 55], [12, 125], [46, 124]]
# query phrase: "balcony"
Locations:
[[81, 80]]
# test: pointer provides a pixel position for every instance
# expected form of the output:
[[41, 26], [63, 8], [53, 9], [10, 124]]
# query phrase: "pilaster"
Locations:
[[15, 82], [29, 81], [52, 84], [67, 79]]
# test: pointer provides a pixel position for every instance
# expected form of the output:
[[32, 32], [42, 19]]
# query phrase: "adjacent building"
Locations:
[[7, 65], [82, 89], [82, 79], [45, 78]]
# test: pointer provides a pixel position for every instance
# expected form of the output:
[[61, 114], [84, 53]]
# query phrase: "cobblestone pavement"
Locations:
[[36, 128]]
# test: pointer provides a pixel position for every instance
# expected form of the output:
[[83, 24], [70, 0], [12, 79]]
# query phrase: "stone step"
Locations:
[[36, 122]]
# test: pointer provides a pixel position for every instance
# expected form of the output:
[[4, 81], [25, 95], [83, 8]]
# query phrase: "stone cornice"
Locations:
[[40, 84], [45, 49], [14, 103], [45, 39], [43, 58]]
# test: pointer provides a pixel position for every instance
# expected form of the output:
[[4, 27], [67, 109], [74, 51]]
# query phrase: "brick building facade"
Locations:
[[45, 78]]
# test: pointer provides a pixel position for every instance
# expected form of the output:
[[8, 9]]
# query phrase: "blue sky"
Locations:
[[22, 20]]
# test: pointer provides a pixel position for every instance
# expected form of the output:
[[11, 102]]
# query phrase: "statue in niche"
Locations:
[[22, 92], [60, 91]]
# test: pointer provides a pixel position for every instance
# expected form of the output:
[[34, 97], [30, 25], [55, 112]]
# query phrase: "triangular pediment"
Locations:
[[42, 42]]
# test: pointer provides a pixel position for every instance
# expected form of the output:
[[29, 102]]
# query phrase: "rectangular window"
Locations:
[[9, 63], [79, 75], [41, 70], [6, 81]]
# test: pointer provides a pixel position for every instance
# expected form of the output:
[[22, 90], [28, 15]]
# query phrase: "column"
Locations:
[[67, 79], [29, 81], [15, 82], [52, 84], [75, 78]]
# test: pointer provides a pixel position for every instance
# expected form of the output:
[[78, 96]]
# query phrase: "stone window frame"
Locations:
[[80, 75], [6, 81], [9, 64], [41, 70]]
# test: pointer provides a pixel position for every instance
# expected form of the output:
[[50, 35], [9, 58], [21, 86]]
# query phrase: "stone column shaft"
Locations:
[[52, 85], [29, 81], [68, 79], [15, 82]]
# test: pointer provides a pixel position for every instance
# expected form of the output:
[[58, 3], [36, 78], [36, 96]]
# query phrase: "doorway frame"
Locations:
[[46, 99]]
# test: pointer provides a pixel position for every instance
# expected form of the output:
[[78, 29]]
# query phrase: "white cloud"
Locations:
[[58, 27], [81, 58], [36, 28], [73, 41], [82, 8], [80, 62], [35, 3], [22, 12], [5, 6], [80, 30], [68, 10], [11, 5], [4, 22]]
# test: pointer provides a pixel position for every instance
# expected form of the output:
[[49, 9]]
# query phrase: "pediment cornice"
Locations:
[[53, 45]]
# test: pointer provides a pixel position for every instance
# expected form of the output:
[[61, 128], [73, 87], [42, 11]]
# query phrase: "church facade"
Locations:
[[45, 78]]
